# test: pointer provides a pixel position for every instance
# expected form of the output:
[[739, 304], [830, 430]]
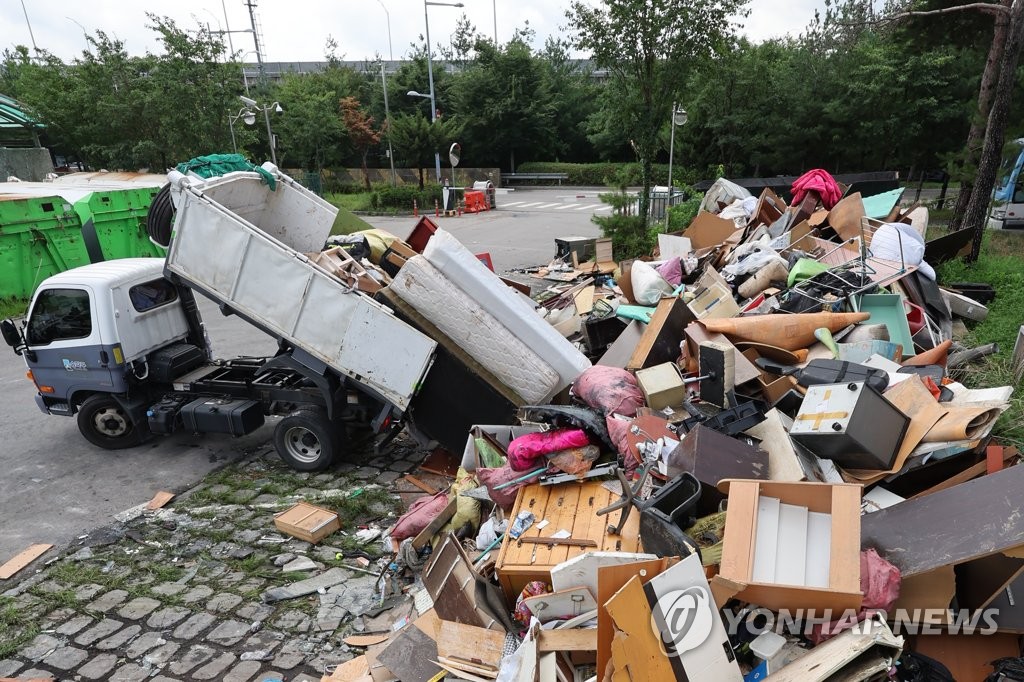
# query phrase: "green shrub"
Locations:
[[681, 215], [402, 196]]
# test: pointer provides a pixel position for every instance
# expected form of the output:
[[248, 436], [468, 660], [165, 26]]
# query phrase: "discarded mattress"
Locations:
[[475, 330], [445, 253]]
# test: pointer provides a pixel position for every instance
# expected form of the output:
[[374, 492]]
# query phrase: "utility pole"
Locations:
[[251, 4]]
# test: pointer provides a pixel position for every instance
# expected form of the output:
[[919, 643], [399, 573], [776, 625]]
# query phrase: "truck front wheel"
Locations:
[[307, 440], [103, 422]]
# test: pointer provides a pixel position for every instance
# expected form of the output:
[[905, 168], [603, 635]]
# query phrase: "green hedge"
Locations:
[[402, 196], [594, 174]]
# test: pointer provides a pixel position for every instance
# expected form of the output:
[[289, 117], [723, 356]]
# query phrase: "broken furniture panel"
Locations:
[[712, 457], [662, 336], [827, 577], [461, 594], [572, 507], [861, 653]]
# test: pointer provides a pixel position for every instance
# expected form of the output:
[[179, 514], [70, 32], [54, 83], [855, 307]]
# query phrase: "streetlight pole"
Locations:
[[231, 125], [430, 76], [678, 118], [387, 14], [387, 122], [251, 104]]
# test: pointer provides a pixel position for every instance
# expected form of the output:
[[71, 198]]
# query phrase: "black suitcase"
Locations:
[[222, 415], [167, 364]]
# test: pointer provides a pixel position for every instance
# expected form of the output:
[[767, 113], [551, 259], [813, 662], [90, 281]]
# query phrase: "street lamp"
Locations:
[[678, 119], [430, 75], [250, 118]]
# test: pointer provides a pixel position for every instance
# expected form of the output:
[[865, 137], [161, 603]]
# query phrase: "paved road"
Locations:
[[56, 486], [522, 230]]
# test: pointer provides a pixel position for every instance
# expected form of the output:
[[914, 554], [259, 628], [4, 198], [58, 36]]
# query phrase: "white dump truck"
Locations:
[[121, 345]]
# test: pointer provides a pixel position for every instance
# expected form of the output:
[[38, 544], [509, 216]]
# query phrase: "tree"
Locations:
[[415, 139], [361, 133], [649, 47]]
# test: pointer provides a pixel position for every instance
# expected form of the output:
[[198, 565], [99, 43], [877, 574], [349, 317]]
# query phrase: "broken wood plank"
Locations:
[[365, 640], [631, 614], [461, 674], [463, 666], [350, 671], [23, 559], [159, 500], [472, 645], [422, 485], [580, 639]]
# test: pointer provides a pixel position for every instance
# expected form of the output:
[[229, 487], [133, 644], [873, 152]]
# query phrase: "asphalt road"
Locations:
[[57, 486]]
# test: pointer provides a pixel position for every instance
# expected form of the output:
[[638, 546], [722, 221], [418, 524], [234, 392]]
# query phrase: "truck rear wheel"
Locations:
[[103, 422], [307, 440]]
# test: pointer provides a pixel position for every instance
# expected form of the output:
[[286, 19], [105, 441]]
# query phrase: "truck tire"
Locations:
[[104, 423], [307, 440]]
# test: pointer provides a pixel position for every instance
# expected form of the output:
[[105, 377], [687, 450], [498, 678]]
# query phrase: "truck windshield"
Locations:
[[59, 314]]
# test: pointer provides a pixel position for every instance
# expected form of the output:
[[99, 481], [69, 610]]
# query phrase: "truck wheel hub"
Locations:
[[111, 422], [302, 444]]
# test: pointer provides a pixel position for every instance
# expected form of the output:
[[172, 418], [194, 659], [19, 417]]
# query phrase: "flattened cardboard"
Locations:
[[22, 559], [307, 522], [708, 230], [846, 215]]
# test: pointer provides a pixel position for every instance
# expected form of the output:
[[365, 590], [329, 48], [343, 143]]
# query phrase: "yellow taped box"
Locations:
[[307, 522]]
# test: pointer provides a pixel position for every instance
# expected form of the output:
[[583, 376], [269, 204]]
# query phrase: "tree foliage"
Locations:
[[649, 48]]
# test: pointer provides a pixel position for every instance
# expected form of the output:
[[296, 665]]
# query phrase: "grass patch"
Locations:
[[12, 307], [358, 201], [362, 505], [16, 628], [1001, 265]]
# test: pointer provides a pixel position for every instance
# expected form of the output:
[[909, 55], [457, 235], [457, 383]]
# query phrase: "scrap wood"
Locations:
[[355, 670], [23, 559], [578, 639], [422, 485], [159, 500], [440, 462], [634, 637], [366, 640], [967, 474], [461, 674], [463, 666], [470, 645]]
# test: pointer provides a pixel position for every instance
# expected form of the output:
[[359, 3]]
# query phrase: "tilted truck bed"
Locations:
[[242, 244]]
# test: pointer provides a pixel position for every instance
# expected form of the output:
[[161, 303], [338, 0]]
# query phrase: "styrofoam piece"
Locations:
[[445, 253], [475, 330], [582, 570]]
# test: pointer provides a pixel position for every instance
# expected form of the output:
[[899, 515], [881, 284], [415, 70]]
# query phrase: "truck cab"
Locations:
[[87, 337]]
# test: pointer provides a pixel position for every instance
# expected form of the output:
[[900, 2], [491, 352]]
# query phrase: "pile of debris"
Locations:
[[768, 470]]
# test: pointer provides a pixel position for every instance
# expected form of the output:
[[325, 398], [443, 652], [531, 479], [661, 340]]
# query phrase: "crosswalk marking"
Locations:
[[511, 203], [536, 203], [557, 203], [563, 206], [588, 206]]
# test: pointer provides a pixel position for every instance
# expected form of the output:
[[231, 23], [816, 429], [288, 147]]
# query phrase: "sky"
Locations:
[[297, 30]]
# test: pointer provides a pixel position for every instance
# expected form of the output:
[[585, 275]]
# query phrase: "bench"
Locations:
[[509, 177]]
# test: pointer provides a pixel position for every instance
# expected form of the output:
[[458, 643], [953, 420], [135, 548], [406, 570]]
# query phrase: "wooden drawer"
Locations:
[[569, 506]]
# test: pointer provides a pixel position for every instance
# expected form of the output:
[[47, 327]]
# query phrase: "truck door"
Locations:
[[69, 353]]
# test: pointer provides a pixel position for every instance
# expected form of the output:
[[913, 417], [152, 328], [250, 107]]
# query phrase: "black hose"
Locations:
[[160, 217]]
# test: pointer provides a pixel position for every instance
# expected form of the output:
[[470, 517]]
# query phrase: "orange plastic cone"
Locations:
[[791, 332]]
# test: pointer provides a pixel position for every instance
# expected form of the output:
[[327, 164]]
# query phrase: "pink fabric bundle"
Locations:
[[880, 585], [525, 452], [420, 514], [821, 182], [610, 390], [505, 497]]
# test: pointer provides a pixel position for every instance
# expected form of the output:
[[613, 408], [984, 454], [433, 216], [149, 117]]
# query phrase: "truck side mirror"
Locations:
[[10, 332], [12, 336]]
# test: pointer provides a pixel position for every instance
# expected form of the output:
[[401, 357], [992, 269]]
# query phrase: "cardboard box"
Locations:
[[792, 566], [307, 522], [662, 385]]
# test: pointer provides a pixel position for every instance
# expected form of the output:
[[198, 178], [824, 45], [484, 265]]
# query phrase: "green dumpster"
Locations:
[[114, 224], [39, 237]]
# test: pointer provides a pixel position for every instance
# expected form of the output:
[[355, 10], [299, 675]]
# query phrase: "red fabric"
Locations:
[[821, 182], [420, 514], [506, 497], [880, 585], [609, 390], [527, 451]]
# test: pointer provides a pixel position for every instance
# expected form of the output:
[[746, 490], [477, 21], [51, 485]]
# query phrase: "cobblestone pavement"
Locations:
[[194, 591]]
